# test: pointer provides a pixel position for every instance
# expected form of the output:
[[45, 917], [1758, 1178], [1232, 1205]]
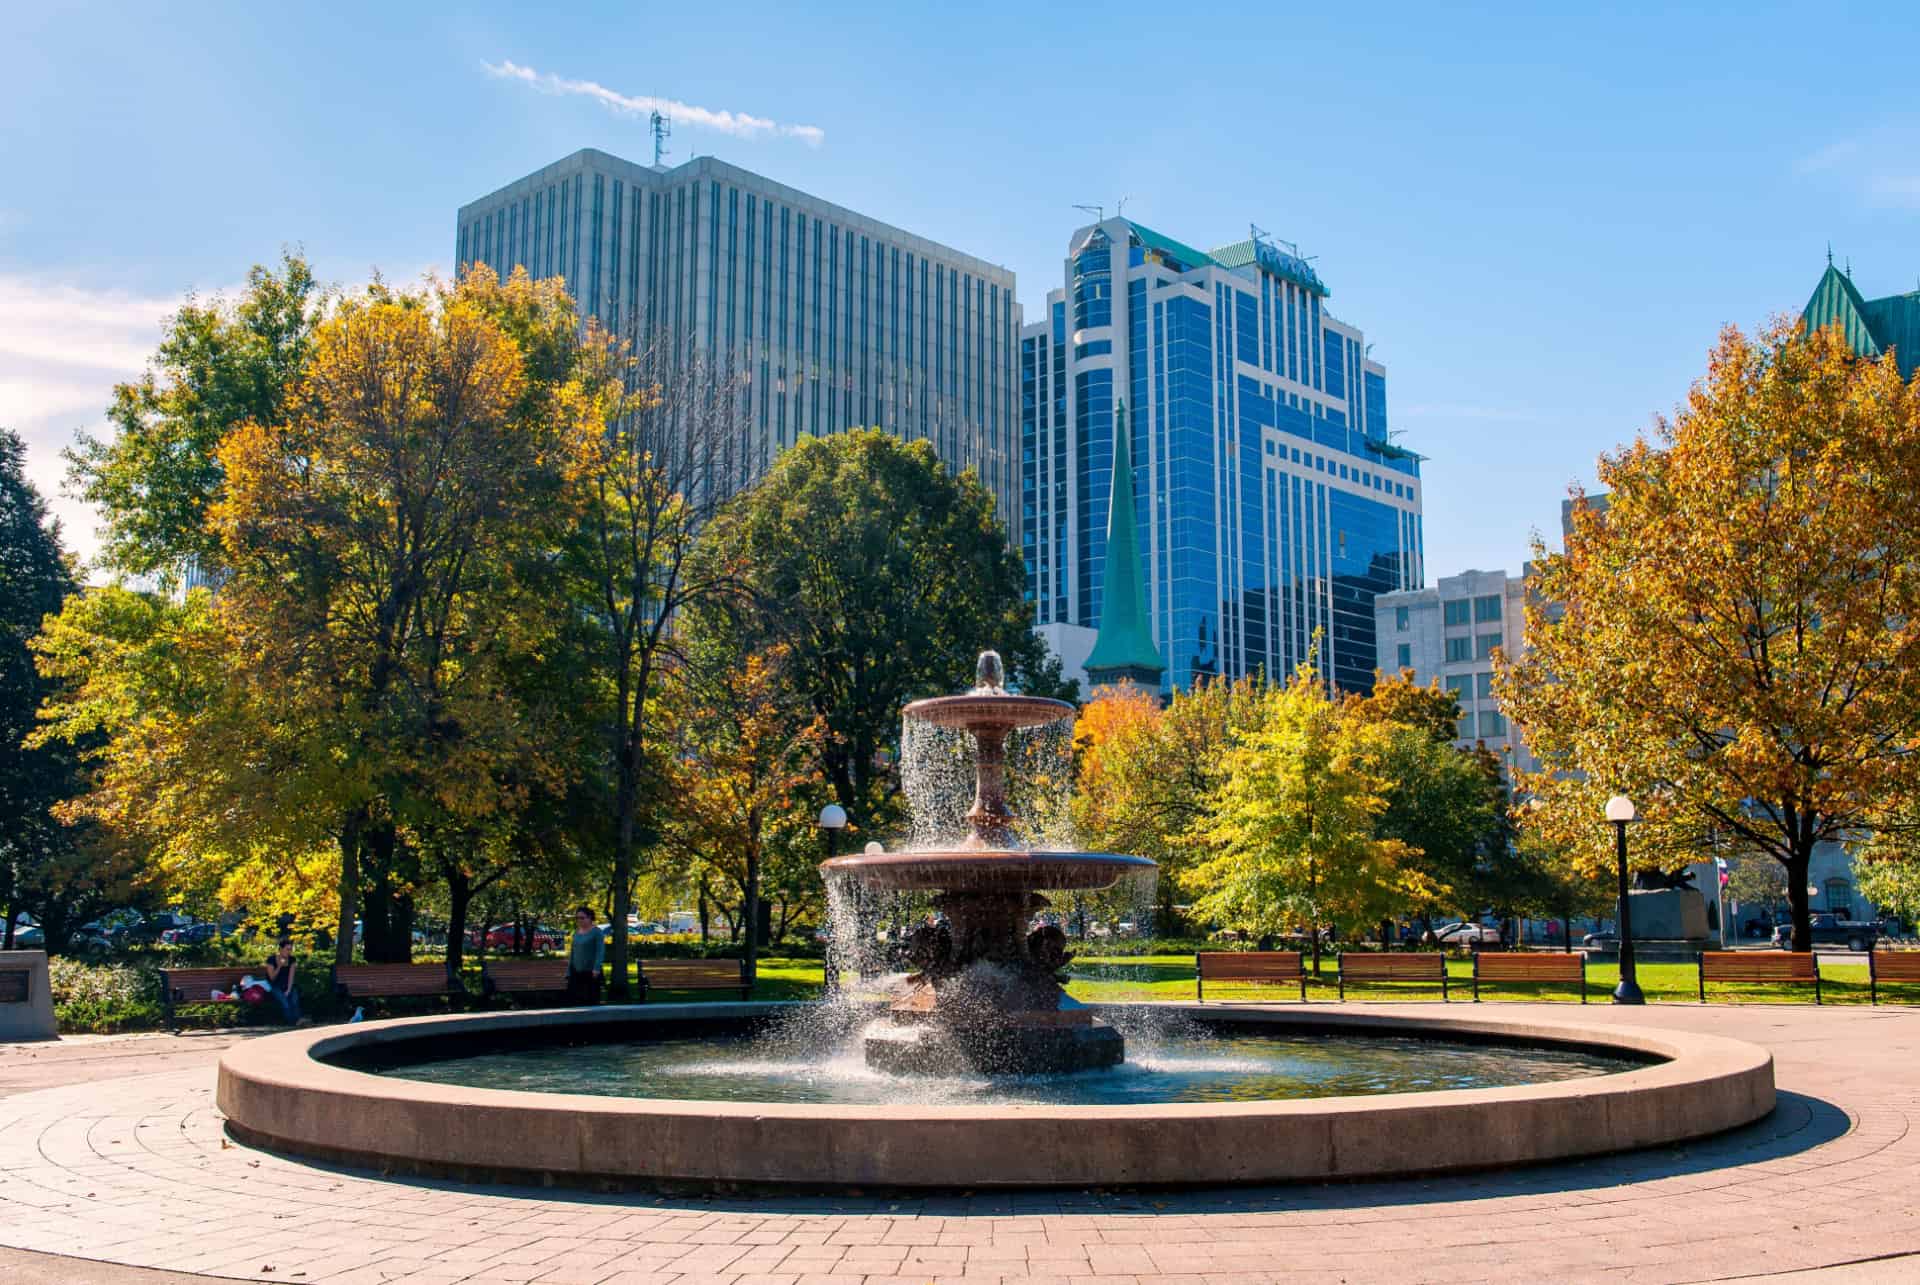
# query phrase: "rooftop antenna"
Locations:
[[1829, 254], [662, 126], [1099, 212], [1120, 210]]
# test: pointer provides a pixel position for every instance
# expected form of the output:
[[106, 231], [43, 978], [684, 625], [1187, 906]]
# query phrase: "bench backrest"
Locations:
[[1494, 966], [1392, 966], [1249, 965], [526, 974], [693, 974], [193, 985], [1758, 966], [368, 980], [1895, 965]]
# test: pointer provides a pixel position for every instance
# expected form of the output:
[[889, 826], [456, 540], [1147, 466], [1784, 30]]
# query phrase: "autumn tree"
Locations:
[[1145, 775], [1291, 831], [1735, 640], [745, 760], [641, 489], [381, 541], [220, 364]]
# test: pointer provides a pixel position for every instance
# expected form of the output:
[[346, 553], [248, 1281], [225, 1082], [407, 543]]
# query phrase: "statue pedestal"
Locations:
[[1669, 926], [26, 1000], [1670, 914]]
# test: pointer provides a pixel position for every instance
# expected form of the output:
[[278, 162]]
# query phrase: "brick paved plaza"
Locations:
[[111, 1151]]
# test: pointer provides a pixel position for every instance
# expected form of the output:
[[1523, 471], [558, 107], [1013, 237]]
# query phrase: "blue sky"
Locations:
[[1540, 220]]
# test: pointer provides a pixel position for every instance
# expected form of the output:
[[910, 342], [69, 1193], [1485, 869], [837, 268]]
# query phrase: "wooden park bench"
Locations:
[[395, 981], [1259, 966], [693, 975], [1503, 966], [1897, 966], [523, 977], [192, 987], [1759, 968], [1392, 966]]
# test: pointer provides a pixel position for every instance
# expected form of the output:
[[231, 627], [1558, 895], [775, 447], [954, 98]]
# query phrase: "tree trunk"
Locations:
[[6, 935], [1798, 903], [386, 916], [459, 902], [751, 912], [627, 804], [349, 885], [704, 913]]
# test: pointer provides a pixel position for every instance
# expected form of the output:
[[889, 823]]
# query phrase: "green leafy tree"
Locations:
[[885, 575], [219, 365], [36, 850], [1445, 804]]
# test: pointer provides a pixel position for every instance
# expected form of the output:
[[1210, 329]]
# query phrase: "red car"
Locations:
[[500, 937]]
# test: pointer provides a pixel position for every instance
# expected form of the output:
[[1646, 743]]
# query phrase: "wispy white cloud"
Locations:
[[738, 124], [1878, 164], [62, 349]]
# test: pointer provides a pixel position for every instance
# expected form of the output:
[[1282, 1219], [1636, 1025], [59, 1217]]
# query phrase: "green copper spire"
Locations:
[[1123, 650]]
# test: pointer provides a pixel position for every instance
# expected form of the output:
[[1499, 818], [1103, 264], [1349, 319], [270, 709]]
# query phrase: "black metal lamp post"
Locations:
[[833, 819], [1620, 813]]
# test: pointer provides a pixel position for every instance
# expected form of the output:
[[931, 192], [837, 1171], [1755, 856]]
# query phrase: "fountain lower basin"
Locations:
[[290, 1093]]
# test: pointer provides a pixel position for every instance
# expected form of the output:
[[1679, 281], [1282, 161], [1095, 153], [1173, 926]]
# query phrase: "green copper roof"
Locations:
[[1167, 245], [1870, 327], [1124, 646], [1271, 257]]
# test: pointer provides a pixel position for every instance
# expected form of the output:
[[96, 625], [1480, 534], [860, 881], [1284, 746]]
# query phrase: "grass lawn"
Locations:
[[1170, 977], [1098, 978]]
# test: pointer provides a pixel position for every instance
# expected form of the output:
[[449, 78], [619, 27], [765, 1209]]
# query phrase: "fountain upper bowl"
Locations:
[[976, 710], [987, 869]]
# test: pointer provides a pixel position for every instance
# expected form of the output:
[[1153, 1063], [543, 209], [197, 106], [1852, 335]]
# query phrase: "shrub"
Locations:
[[103, 998]]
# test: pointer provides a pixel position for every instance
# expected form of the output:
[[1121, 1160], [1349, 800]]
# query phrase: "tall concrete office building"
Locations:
[[1270, 505], [828, 318], [1447, 634]]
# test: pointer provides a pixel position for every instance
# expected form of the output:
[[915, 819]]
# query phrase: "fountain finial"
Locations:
[[989, 674]]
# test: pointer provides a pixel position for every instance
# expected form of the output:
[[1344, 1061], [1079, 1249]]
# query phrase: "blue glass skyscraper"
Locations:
[[1270, 504]]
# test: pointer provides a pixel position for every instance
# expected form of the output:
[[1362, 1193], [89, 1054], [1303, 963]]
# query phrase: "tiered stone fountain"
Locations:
[[985, 994]]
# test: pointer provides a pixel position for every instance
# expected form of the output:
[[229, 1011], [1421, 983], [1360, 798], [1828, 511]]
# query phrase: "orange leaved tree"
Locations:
[[1734, 641]]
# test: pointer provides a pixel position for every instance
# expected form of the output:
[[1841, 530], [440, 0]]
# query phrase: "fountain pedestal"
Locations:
[[985, 994]]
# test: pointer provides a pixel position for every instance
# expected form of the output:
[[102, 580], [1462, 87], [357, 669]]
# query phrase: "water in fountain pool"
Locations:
[[1162, 1066]]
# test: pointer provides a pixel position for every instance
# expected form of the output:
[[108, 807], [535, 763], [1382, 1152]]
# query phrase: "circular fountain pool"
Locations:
[[314, 1093], [1197, 1066]]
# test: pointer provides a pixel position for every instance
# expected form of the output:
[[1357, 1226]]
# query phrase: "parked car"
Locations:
[[1601, 941], [1467, 934], [1831, 930]]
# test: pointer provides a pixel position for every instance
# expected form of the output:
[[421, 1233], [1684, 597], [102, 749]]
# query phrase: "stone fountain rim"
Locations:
[[1001, 709], [276, 1092], [871, 868]]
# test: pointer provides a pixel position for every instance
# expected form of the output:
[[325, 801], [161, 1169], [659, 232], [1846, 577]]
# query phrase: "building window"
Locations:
[[1465, 727], [1486, 608], [1461, 685], [1840, 898], [1492, 724], [1404, 656], [1400, 620], [1459, 611], [1487, 643], [1460, 648], [1484, 684]]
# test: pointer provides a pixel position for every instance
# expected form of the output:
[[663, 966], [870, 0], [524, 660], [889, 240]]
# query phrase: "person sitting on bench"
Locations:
[[280, 975]]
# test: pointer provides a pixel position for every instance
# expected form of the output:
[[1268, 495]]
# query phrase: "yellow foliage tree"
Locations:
[[1734, 641], [1290, 834]]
